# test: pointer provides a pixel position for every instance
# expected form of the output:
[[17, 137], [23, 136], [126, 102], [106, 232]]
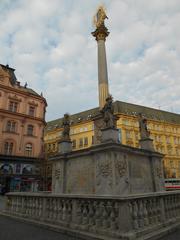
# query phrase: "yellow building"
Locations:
[[164, 129]]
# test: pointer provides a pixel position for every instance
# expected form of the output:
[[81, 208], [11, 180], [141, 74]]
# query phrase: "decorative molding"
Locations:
[[105, 169], [159, 172], [33, 103], [15, 98], [57, 173], [121, 167]]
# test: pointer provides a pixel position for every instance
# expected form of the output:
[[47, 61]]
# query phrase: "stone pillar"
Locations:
[[100, 34]]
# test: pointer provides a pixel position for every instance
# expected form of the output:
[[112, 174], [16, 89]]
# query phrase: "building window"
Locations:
[[125, 121], [49, 147], [32, 111], [128, 134], [92, 139], [74, 143], [167, 139], [85, 141], [8, 148], [28, 149], [30, 130], [11, 126], [169, 150], [54, 146], [13, 106], [136, 136], [80, 142]]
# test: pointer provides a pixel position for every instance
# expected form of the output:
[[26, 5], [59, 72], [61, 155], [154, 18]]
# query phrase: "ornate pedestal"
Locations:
[[110, 135], [64, 146], [147, 144]]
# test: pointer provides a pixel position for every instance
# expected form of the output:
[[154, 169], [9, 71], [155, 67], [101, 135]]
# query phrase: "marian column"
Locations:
[[100, 34]]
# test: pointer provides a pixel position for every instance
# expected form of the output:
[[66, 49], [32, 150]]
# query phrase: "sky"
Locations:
[[50, 45]]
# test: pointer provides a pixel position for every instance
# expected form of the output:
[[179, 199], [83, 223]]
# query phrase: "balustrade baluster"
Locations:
[[64, 210], [60, 207], [97, 215], [140, 214], [166, 207], [105, 222], [150, 210], [79, 213], [84, 213], [158, 210], [113, 225], [178, 205], [174, 206], [135, 215], [91, 214], [145, 213], [54, 210], [170, 207], [69, 211]]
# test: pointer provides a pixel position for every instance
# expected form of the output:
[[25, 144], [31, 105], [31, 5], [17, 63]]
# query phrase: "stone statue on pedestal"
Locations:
[[144, 133], [108, 113], [66, 127]]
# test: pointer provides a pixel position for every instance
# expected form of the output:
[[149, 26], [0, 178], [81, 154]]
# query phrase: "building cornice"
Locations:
[[25, 116], [12, 89]]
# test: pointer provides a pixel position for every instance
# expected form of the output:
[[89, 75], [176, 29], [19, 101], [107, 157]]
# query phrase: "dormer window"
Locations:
[[32, 111], [13, 106]]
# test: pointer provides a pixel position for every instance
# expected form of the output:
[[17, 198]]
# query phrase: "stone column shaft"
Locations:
[[100, 35], [102, 73]]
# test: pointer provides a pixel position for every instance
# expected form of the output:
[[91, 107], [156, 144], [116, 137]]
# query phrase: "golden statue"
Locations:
[[100, 17]]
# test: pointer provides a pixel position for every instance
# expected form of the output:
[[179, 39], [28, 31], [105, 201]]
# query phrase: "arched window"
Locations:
[[30, 129], [8, 148], [11, 126], [28, 149]]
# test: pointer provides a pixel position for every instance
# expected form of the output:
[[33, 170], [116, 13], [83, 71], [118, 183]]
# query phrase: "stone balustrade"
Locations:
[[108, 217]]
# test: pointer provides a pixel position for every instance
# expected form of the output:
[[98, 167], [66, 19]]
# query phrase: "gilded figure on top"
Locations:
[[100, 17]]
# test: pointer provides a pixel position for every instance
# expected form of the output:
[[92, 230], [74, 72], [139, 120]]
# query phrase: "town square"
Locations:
[[90, 120]]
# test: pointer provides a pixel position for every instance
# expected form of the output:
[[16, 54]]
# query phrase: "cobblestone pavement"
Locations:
[[2, 202], [13, 229], [172, 236]]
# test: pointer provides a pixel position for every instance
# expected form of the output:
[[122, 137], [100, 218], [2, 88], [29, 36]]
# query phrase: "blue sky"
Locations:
[[49, 43]]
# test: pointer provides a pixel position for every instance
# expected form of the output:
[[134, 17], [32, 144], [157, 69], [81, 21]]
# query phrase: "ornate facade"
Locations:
[[164, 128], [22, 122]]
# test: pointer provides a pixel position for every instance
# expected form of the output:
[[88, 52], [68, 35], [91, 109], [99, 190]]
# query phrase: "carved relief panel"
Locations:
[[104, 173]]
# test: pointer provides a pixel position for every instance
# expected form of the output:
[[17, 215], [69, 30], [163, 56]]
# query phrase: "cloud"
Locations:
[[50, 45]]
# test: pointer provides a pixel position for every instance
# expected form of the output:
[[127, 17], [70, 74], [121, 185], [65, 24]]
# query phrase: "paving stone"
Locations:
[[12, 229]]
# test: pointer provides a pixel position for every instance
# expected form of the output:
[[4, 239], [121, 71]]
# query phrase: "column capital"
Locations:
[[100, 33]]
